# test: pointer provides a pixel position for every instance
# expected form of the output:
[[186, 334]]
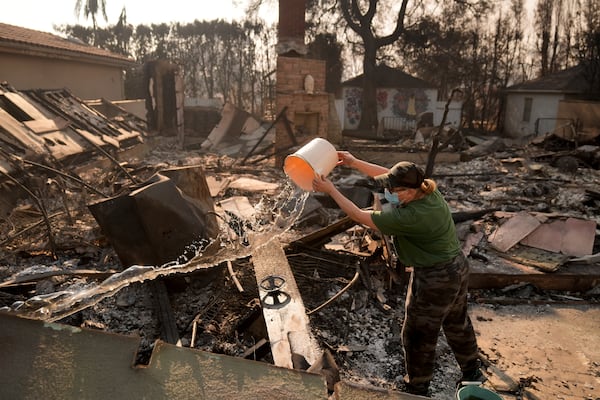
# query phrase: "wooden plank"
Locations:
[[46, 125], [24, 105], [168, 326], [65, 143], [94, 139], [287, 326], [15, 129]]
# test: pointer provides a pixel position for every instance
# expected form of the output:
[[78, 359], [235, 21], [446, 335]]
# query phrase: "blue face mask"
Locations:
[[392, 198]]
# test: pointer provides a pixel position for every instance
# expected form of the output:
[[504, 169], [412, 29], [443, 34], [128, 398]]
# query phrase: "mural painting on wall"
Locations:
[[409, 103], [353, 105]]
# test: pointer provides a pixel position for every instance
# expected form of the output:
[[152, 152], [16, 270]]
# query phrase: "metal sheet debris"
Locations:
[[153, 224], [513, 231], [573, 237], [42, 360]]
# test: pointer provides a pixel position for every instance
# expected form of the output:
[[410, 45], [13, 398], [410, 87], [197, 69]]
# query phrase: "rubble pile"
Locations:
[[217, 309]]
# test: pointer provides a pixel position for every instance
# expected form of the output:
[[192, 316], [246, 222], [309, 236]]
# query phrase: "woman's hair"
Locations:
[[428, 186]]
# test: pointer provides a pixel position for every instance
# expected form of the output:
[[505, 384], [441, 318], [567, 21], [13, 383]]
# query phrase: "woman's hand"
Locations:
[[345, 158], [322, 184]]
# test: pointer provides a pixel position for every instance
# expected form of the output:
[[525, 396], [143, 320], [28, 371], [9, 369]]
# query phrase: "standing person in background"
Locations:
[[421, 224]]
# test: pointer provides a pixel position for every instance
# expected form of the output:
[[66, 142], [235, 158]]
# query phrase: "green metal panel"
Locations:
[[54, 361]]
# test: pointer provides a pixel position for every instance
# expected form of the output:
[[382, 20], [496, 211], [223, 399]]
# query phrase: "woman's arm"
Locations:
[[322, 184], [365, 167]]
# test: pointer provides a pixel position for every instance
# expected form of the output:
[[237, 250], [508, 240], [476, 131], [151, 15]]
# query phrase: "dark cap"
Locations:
[[403, 174]]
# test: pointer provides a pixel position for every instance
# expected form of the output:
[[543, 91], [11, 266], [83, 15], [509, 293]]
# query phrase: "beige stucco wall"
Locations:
[[586, 114], [543, 108], [87, 81]]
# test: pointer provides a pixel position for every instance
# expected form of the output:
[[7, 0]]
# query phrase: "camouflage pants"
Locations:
[[437, 298]]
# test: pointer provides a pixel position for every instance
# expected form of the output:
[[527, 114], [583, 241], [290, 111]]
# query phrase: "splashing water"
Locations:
[[272, 217]]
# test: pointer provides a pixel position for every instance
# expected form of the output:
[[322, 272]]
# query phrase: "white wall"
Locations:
[[454, 116], [543, 106]]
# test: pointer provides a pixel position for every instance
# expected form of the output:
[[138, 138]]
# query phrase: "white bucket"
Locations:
[[317, 157]]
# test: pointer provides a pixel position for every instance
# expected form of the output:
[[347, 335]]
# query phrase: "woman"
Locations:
[[420, 221]]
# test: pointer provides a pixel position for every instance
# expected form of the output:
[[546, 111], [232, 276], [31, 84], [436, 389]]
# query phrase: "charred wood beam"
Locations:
[[461, 216], [258, 351], [554, 281], [168, 326], [320, 236], [279, 116], [503, 301], [207, 313]]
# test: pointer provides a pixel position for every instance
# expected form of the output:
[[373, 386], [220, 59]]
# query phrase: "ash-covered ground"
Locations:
[[361, 328]]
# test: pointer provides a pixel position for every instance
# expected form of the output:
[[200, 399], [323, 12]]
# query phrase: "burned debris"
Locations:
[[107, 228]]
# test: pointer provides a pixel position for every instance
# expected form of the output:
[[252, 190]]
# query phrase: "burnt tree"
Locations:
[[360, 20]]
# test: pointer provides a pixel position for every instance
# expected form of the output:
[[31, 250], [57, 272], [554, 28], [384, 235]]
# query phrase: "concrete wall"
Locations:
[[544, 109], [135, 107], [86, 81]]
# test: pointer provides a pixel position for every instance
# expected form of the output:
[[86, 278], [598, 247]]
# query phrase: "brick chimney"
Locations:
[[292, 26], [300, 87]]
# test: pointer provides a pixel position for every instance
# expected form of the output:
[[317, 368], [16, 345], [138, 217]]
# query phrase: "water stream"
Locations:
[[272, 217]]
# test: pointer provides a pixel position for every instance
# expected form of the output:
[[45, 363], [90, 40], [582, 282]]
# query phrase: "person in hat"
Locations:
[[420, 221]]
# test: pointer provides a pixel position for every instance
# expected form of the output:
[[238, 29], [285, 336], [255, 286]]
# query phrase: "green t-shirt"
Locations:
[[423, 230]]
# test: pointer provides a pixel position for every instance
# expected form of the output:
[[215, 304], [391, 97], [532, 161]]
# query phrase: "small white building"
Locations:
[[401, 98], [532, 108]]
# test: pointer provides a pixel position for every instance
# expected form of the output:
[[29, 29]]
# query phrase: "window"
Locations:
[[527, 109]]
